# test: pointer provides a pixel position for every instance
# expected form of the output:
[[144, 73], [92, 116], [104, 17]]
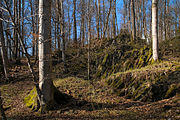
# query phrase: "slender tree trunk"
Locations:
[[129, 16], [33, 29], [176, 22], [89, 35], [139, 17], [125, 14], [179, 23], [98, 18], [104, 19], [19, 27], [155, 29], [82, 32], [9, 40], [55, 33], [107, 19], [69, 23], [144, 19], [133, 20], [37, 26], [165, 33], [14, 30], [168, 26], [62, 32], [45, 68], [114, 19], [58, 24], [2, 109], [22, 23], [2, 46], [75, 27]]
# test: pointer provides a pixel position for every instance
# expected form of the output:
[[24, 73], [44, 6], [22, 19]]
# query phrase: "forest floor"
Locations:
[[90, 100]]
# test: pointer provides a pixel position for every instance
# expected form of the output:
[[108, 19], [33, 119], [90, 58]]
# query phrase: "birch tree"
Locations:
[[45, 82], [155, 29]]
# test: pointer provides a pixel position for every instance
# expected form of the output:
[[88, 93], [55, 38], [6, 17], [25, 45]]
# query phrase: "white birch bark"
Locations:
[[155, 29]]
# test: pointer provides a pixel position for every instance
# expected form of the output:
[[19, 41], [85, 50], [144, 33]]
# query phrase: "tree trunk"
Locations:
[[45, 82], [2, 109], [155, 29], [165, 35], [89, 35], [19, 27], [14, 31], [33, 28], [124, 14], [168, 21], [114, 19], [69, 22], [58, 24], [82, 31], [37, 27], [75, 28], [104, 18], [3, 50], [98, 14], [22, 23], [107, 20], [62, 32], [133, 20], [129, 16], [144, 19]]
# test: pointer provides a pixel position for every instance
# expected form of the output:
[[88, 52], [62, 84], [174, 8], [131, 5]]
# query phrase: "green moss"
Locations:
[[151, 83], [118, 83], [105, 59], [178, 68], [99, 71], [171, 91], [141, 91], [31, 100], [123, 59]]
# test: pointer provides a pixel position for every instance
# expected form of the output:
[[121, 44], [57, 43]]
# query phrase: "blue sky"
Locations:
[[119, 5]]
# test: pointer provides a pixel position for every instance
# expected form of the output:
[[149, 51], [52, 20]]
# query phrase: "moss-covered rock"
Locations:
[[122, 58], [31, 99], [151, 83]]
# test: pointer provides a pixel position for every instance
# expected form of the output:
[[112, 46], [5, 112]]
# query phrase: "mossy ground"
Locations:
[[150, 83]]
